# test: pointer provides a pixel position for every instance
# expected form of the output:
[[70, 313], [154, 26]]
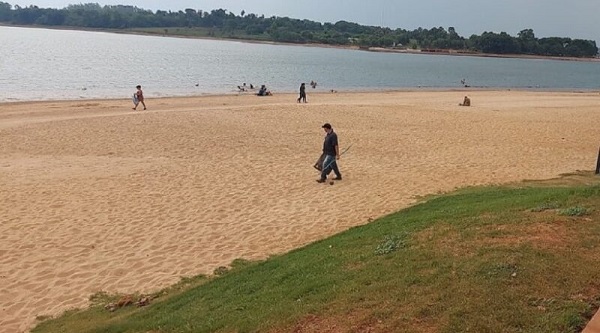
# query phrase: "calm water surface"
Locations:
[[44, 64]]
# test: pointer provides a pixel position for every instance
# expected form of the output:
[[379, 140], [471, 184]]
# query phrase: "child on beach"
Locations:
[[138, 97]]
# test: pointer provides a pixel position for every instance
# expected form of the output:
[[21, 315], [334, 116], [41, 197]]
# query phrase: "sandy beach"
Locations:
[[97, 197]]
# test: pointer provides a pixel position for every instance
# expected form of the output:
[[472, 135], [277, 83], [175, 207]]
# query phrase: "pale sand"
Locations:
[[97, 197]]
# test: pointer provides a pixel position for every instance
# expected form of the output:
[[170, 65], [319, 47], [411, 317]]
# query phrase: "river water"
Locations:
[[46, 64]]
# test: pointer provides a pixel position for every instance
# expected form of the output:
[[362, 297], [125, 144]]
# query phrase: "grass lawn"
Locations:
[[515, 258]]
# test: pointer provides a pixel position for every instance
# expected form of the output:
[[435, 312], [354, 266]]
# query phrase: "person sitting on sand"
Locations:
[[263, 91], [466, 102]]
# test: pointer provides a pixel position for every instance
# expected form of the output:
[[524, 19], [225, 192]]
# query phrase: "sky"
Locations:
[[548, 18]]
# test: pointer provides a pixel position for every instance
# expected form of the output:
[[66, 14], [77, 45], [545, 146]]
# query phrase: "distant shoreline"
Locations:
[[445, 52], [484, 55]]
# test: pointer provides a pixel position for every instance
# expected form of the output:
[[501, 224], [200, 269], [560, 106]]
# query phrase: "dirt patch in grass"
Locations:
[[313, 323], [362, 321], [542, 230], [544, 234]]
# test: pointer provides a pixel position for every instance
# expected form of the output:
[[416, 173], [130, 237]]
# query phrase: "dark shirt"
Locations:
[[331, 141], [302, 89]]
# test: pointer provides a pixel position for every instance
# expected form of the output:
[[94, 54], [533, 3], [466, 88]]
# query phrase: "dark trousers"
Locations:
[[302, 97], [330, 164]]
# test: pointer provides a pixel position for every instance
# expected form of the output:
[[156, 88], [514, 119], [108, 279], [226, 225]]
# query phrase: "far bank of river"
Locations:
[[449, 52]]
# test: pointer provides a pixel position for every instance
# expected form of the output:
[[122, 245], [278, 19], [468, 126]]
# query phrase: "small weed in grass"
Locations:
[[574, 211], [186, 282], [573, 322], [241, 263], [222, 270], [102, 297], [499, 270], [545, 206], [540, 303], [389, 245], [236, 265]]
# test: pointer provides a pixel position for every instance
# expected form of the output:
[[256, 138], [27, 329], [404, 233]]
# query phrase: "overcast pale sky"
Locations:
[[547, 18]]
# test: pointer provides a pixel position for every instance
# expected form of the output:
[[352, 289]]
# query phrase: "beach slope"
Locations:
[[97, 197]]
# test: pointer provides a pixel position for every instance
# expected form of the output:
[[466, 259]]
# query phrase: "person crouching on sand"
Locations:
[[263, 91], [140, 97]]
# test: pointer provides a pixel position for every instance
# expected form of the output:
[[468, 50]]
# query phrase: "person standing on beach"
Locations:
[[139, 94], [331, 150], [302, 93]]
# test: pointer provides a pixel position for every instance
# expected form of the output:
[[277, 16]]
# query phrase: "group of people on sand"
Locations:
[[263, 91], [302, 98], [138, 96], [327, 162], [331, 151]]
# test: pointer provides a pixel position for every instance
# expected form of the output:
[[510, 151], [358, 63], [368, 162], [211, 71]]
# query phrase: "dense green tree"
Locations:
[[53, 17], [255, 29], [501, 43], [580, 48], [343, 26], [6, 12]]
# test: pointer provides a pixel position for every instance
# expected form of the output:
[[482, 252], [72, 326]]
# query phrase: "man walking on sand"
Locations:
[[331, 150]]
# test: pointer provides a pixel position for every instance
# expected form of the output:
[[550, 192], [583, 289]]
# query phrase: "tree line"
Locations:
[[221, 23]]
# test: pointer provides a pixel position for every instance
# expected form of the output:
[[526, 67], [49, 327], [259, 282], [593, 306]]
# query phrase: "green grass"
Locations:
[[494, 259], [574, 211]]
